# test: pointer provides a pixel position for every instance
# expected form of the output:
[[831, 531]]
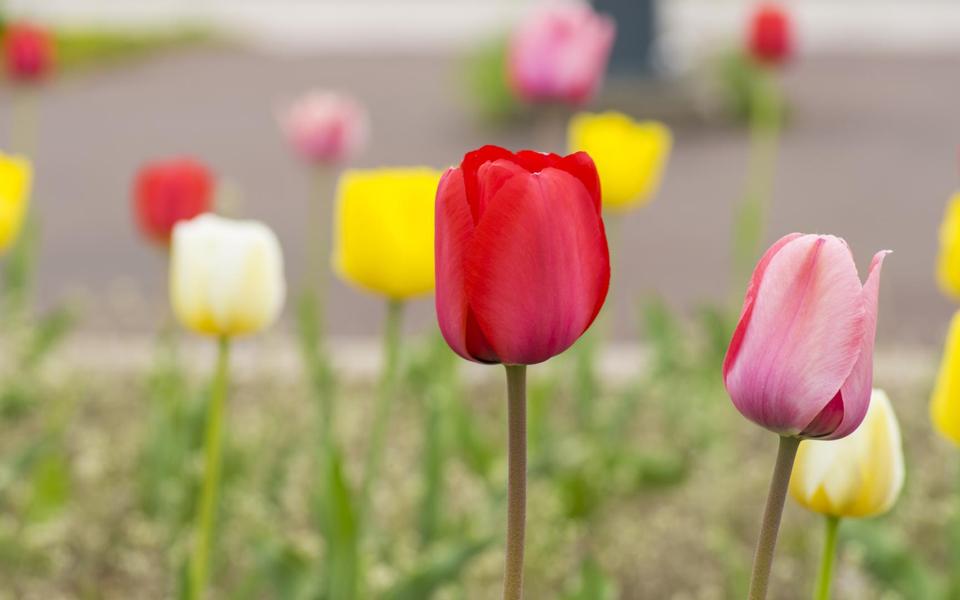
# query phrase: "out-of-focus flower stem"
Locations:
[[825, 577], [388, 392], [213, 442], [752, 213], [516, 481], [954, 583], [23, 128], [770, 526]]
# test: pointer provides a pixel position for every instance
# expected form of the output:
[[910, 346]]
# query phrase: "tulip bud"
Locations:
[[28, 51], [522, 262], [801, 359], [226, 276], [384, 230], [326, 127], [168, 192], [630, 155], [948, 261], [945, 405], [560, 54], [770, 34], [860, 475], [16, 175]]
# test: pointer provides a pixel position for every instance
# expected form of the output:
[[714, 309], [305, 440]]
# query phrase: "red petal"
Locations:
[[454, 230], [537, 269], [470, 166]]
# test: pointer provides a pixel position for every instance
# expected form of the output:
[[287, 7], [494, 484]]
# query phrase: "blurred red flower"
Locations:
[[522, 266], [170, 191], [28, 51], [770, 34]]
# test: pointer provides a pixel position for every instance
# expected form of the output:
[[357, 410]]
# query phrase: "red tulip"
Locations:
[[801, 359], [522, 266], [770, 35], [168, 192], [28, 51]]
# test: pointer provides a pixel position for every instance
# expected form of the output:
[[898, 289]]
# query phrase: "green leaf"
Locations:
[[436, 570], [338, 522], [50, 483]]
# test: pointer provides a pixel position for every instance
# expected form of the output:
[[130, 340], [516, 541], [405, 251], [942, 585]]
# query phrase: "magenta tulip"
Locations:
[[326, 127], [560, 54], [522, 266], [801, 359]]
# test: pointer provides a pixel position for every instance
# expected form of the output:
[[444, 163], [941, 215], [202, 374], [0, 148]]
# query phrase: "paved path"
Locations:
[[871, 155]]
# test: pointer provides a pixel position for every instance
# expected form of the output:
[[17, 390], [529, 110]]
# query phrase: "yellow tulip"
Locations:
[[945, 405], [16, 175], [226, 276], [860, 475], [630, 155], [948, 263], [384, 230]]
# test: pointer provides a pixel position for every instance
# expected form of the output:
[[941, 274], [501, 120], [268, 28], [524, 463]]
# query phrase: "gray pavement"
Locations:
[[871, 155]]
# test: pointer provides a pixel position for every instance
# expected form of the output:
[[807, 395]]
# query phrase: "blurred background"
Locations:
[[91, 499], [869, 154]]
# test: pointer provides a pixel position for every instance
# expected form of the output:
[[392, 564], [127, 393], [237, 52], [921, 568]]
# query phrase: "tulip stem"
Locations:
[[203, 533], [388, 392], [516, 480], [770, 526], [752, 213], [23, 129], [825, 578]]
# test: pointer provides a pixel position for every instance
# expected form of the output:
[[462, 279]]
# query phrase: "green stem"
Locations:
[[23, 129], [752, 214], [318, 239], [825, 578], [516, 481], [203, 533], [770, 526], [384, 406], [954, 537]]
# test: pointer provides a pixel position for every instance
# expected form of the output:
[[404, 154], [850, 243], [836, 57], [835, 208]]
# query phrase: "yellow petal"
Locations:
[[226, 277], [945, 404], [860, 475], [384, 230], [16, 175], [630, 155], [948, 261]]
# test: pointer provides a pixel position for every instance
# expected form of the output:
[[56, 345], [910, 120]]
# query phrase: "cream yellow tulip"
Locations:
[[945, 405], [630, 155], [384, 230], [860, 475], [948, 262], [16, 175], [226, 276]]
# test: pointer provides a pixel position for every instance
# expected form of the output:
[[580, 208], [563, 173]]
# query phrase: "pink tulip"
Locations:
[[326, 127], [560, 54], [801, 359]]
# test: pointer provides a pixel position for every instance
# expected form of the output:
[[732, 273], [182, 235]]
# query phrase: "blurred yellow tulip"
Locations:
[[948, 263], [384, 230], [945, 405], [630, 155], [860, 475], [16, 175], [226, 276]]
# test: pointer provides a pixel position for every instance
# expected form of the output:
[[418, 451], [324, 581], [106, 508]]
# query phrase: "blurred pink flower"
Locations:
[[560, 53], [801, 359], [326, 127]]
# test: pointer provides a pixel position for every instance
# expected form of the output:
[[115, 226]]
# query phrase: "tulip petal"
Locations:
[[800, 335], [454, 229], [537, 269], [857, 388], [469, 173], [945, 404]]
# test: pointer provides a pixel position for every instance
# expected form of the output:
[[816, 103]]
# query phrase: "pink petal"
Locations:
[[800, 335], [537, 269], [857, 388], [454, 230]]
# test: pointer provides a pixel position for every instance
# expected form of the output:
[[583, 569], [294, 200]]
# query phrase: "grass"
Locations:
[[659, 496]]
